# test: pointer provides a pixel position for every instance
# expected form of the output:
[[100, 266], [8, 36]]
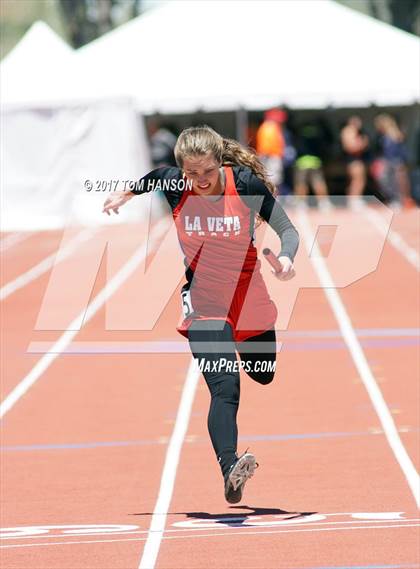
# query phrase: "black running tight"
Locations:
[[212, 343]]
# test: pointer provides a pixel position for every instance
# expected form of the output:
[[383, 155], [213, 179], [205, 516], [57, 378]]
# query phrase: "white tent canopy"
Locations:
[[185, 56], [57, 133], [35, 64], [43, 71]]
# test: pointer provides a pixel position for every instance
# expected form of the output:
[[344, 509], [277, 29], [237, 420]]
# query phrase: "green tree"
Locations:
[[86, 20], [405, 14]]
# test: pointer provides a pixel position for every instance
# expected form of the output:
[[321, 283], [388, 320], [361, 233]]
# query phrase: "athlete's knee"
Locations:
[[263, 377], [260, 369]]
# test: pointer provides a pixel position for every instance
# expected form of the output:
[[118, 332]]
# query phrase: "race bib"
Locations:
[[187, 308]]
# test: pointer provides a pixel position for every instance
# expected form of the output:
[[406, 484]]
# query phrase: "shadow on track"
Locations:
[[237, 519]]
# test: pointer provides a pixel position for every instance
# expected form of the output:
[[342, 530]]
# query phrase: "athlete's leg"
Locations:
[[258, 356], [215, 350], [318, 183], [357, 174], [300, 188]]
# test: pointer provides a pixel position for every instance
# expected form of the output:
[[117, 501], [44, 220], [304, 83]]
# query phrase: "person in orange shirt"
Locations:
[[270, 144]]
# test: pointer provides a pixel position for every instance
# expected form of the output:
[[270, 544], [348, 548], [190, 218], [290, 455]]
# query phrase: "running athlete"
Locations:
[[227, 308]]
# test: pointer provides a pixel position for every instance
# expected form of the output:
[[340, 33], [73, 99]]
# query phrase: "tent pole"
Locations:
[[242, 125]]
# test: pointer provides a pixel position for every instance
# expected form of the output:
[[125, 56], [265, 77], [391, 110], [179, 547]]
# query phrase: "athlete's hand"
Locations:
[[116, 201], [288, 271]]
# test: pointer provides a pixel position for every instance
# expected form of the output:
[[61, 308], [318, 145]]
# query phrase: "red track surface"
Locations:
[[316, 435]]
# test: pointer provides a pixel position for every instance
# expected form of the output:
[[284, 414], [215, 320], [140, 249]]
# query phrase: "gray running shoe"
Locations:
[[238, 474]]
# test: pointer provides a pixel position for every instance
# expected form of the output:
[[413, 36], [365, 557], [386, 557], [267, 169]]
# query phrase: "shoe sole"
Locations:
[[242, 471]]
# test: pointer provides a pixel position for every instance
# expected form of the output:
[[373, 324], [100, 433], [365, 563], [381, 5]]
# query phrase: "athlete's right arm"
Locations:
[[142, 186], [114, 202]]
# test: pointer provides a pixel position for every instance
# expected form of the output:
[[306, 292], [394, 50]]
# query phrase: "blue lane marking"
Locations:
[[279, 437], [361, 333], [299, 436], [340, 344], [291, 339], [284, 343], [363, 567], [66, 446]]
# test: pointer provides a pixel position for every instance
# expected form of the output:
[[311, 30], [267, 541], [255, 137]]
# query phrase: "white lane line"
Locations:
[[111, 287], [355, 349], [167, 482], [224, 534], [219, 525], [46, 264], [13, 239], [393, 237]]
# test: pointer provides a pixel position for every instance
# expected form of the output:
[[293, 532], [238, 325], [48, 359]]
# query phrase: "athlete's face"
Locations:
[[355, 121], [203, 171]]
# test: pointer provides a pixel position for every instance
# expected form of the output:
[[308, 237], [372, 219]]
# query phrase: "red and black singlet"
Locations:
[[216, 236], [217, 232]]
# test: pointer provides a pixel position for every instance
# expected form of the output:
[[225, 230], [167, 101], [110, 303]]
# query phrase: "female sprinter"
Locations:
[[226, 304]]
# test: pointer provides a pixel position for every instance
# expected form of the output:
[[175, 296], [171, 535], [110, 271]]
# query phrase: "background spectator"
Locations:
[[355, 147], [162, 144], [311, 146], [289, 158], [415, 175], [390, 166], [270, 144]]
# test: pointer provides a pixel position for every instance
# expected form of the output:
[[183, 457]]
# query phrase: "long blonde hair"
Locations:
[[202, 140], [388, 125]]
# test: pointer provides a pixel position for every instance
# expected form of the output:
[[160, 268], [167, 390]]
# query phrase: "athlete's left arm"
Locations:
[[271, 211]]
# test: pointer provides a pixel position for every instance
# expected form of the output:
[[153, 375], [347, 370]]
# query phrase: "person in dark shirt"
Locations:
[[355, 147], [218, 194], [391, 154], [311, 142], [162, 144]]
